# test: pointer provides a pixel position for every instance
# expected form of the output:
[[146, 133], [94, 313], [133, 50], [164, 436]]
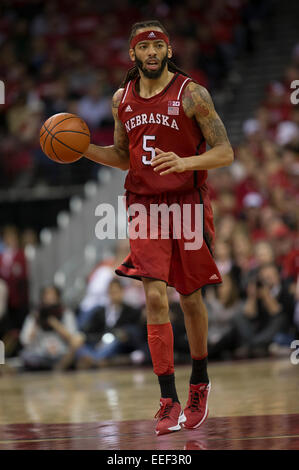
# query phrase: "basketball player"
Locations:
[[163, 120]]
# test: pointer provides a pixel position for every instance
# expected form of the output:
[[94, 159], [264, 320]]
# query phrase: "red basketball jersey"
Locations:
[[160, 121]]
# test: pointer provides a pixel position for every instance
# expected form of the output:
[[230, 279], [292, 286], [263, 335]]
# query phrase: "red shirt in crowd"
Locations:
[[13, 270]]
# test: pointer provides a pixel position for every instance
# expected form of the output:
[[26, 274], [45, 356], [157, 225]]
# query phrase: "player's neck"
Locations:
[[149, 87]]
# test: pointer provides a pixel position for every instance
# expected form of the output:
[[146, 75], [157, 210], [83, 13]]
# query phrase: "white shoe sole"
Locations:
[[177, 427]]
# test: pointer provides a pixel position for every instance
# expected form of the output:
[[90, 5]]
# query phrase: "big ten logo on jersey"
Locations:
[[2, 92], [174, 107], [295, 355], [295, 95]]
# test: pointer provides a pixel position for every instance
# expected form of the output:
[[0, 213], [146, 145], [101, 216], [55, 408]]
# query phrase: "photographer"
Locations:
[[112, 330], [49, 335], [267, 311]]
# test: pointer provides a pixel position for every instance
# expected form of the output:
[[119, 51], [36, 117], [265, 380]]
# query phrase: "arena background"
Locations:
[[66, 56]]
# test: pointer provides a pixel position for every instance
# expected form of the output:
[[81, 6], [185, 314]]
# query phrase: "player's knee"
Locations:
[[192, 304], [155, 299], [157, 305]]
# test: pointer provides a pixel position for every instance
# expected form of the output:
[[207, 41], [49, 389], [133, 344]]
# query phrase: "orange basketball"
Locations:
[[64, 137]]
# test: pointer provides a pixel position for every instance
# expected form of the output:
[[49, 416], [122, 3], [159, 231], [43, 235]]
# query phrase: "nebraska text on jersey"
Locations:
[[152, 118]]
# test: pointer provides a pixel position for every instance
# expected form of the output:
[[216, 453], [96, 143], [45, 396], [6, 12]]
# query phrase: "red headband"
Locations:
[[148, 36]]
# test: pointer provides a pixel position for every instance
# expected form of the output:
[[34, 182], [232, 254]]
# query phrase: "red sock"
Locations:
[[160, 342]]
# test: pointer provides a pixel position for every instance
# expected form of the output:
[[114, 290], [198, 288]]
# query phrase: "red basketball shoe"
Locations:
[[196, 411], [170, 415]]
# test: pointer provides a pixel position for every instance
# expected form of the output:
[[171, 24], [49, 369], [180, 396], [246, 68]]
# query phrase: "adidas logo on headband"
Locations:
[[149, 36]]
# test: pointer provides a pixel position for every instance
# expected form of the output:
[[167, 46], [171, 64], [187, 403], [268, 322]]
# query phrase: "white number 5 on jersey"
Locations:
[[145, 158]]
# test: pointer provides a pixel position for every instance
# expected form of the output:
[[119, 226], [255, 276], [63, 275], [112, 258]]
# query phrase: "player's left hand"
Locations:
[[169, 160]]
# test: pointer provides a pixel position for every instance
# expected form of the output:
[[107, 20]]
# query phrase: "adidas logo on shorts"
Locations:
[[213, 277]]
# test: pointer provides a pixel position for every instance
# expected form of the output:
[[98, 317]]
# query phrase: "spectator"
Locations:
[[267, 311], [49, 335], [263, 253], [223, 304], [287, 131], [296, 310], [95, 108], [3, 307], [97, 285], [242, 248], [112, 330], [223, 257], [13, 270], [226, 227]]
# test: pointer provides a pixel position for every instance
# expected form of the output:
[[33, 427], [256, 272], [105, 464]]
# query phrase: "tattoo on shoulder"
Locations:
[[198, 104], [197, 100], [117, 97]]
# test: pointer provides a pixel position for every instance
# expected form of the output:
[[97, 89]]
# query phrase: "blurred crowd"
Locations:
[[255, 311], [65, 56], [256, 209]]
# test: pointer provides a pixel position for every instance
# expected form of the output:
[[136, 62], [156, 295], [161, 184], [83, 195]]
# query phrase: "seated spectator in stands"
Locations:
[[16, 165], [56, 100], [49, 335], [95, 108], [111, 330], [223, 257], [282, 340], [3, 307], [226, 203], [223, 304], [243, 259], [296, 310], [97, 285], [282, 239], [252, 204], [290, 266], [13, 270], [263, 253], [226, 227], [268, 310], [134, 293], [287, 131]]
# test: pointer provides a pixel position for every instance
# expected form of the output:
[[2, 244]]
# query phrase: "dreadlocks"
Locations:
[[134, 72]]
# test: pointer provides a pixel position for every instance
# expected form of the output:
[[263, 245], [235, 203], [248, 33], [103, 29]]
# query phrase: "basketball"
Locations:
[[64, 137]]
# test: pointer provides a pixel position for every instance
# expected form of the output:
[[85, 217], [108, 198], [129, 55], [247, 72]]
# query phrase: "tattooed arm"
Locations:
[[116, 155], [198, 104]]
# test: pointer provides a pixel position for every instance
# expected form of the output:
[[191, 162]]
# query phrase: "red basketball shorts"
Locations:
[[175, 246]]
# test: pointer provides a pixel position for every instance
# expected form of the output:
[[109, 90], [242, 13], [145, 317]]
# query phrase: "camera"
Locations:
[[47, 311], [259, 284]]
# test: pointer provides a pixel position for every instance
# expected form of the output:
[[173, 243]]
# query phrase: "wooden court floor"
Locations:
[[253, 405]]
